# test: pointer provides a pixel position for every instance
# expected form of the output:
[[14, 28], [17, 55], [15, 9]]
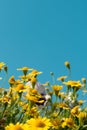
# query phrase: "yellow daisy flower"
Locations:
[[82, 116], [35, 72], [20, 88], [62, 78], [75, 111], [14, 127], [63, 106], [39, 123], [57, 88], [11, 80], [73, 84], [68, 122], [25, 69], [56, 123]]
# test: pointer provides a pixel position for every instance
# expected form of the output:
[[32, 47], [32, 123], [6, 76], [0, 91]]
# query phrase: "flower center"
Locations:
[[18, 128], [40, 124]]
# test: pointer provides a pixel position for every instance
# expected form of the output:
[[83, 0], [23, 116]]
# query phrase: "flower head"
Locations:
[[62, 78], [56, 123], [25, 69], [63, 105], [39, 123], [73, 84], [75, 111], [14, 127], [68, 122]]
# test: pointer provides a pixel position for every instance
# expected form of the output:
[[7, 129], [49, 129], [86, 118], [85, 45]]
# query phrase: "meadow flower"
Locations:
[[68, 122], [39, 123], [82, 116], [73, 84], [20, 88], [17, 126], [5, 99], [75, 111], [25, 69], [11, 80], [34, 96], [34, 112], [62, 78], [32, 74], [24, 78], [56, 89], [63, 106], [56, 123], [35, 73]]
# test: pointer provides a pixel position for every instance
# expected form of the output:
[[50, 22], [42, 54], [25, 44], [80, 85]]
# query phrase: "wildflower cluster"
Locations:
[[29, 105]]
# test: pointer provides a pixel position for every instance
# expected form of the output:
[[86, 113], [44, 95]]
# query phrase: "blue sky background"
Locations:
[[43, 34]]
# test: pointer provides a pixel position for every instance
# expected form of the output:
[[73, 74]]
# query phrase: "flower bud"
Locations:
[[67, 64], [84, 80]]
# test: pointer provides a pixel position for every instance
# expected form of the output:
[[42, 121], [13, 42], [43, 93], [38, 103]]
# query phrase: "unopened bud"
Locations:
[[51, 73], [6, 68], [67, 64], [84, 80]]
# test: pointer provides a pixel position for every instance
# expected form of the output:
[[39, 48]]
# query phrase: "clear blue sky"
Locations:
[[43, 34]]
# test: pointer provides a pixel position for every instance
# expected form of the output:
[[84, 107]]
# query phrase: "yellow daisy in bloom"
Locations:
[[35, 72], [5, 99], [62, 78], [73, 84], [34, 96], [39, 123], [25, 69], [24, 78], [75, 111], [14, 127], [56, 123], [63, 106], [11, 80], [31, 98], [57, 88], [20, 88], [82, 116], [69, 123], [34, 112]]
